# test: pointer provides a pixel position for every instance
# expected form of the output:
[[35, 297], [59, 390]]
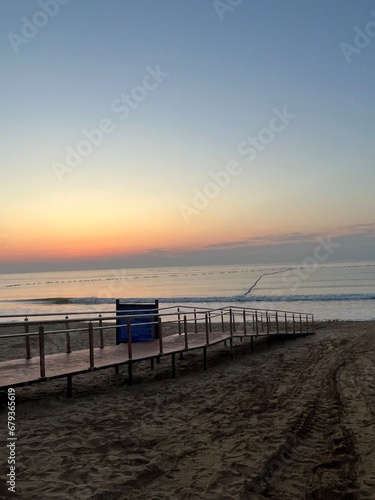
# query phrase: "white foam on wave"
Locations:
[[231, 299]]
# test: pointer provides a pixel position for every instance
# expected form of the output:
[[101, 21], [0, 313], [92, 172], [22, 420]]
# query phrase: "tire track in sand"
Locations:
[[317, 460]]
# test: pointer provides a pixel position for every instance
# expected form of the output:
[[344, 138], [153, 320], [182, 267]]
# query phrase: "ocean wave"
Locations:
[[225, 299]]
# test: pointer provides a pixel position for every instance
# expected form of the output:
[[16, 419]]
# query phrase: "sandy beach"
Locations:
[[294, 422]]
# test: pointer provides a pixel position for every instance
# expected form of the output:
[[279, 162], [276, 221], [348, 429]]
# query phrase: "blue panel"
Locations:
[[142, 329]]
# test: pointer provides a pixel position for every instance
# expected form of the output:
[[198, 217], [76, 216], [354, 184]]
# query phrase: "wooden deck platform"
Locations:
[[17, 372]]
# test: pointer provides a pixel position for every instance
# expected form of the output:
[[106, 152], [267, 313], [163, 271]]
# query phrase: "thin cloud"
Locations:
[[295, 237], [369, 228]]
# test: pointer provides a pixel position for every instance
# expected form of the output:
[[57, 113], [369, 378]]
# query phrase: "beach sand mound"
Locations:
[[295, 422]]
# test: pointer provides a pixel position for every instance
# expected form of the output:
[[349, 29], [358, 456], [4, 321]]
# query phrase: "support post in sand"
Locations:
[[130, 353], [101, 331], [69, 386], [130, 372], [173, 365], [231, 347], [67, 335], [27, 339], [186, 333], [42, 361], [91, 345]]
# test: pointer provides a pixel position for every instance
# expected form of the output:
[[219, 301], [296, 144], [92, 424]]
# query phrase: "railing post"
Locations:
[[179, 320], [307, 323], [222, 321], [161, 337], [209, 321], [256, 323], [130, 346], [101, 331], [286, 323], [27, 339], [91, 345], [294, 324], [313, 323], [185, 332], [195, 321], [42, 360], [207, 330], [300, 323], [67, 335], [277, 322], [231, 333], [244, 322], [268, 331]]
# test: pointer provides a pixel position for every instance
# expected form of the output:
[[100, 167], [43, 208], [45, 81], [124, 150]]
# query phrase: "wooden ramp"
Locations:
[[196, 330]]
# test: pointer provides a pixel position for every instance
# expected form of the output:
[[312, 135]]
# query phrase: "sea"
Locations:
[[330, 291]]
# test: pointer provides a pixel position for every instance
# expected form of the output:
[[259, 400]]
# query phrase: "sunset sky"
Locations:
[[173, 132]]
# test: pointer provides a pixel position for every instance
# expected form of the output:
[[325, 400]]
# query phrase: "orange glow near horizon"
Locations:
[[88, 226]]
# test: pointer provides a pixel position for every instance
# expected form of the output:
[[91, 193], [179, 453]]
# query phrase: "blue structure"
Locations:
[[144, 328]]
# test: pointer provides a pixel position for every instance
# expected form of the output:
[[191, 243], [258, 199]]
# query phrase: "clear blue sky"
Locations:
[[225, 70]]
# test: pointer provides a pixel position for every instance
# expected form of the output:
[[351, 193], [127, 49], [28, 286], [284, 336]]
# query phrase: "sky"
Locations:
[[185, 132]]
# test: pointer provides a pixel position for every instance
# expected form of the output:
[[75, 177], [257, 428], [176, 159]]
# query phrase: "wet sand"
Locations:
[[294, 422]]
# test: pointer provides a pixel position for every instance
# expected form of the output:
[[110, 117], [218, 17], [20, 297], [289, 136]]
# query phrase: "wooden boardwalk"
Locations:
[[20, 371], [17, 372]]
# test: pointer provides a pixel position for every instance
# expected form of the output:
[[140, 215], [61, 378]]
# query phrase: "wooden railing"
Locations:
[[183, 321]]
